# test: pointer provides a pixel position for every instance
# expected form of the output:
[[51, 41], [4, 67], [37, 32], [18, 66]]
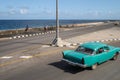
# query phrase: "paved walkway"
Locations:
[[111, 33]]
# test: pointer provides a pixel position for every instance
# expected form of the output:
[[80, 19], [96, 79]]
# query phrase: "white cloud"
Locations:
[[12, 11], [24, 11]]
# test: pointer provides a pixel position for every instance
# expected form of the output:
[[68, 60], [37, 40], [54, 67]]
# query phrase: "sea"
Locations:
[[18, 24]]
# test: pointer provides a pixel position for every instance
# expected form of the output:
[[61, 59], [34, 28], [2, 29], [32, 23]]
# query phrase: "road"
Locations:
[[50, 67], [10, 46], [46, 64]]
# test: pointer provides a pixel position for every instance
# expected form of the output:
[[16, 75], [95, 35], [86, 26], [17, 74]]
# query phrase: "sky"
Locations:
[[68, 9]]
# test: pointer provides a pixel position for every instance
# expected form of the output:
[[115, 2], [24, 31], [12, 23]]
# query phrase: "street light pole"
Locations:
[[57, 41], [57, 20]]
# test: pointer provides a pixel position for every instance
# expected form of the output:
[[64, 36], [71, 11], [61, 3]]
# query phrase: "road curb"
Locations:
[[105, 40], [65, 45], [30, 35]]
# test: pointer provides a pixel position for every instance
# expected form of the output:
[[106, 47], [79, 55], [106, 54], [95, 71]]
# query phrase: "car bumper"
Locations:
[[74, 64]]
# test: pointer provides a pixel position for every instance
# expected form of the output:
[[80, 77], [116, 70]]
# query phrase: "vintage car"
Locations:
[[90, 54]]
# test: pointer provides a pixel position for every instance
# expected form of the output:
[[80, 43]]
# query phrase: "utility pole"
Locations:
[[57, 20], [57, 41]]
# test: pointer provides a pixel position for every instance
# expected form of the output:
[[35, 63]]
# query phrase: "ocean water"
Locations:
[[17, 24]]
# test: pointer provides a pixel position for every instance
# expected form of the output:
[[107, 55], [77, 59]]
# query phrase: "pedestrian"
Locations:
[[26, 29], [45, 29]]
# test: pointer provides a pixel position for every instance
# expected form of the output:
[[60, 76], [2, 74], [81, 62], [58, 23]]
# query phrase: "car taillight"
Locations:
[[82, 61]]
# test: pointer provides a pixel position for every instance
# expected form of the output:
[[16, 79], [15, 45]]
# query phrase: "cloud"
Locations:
[[12, 11], [24, 11], [16, 10]]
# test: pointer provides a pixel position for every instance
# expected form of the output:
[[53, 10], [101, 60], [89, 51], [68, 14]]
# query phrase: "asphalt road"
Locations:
[[45, 62], [50, 67], [10, 46]]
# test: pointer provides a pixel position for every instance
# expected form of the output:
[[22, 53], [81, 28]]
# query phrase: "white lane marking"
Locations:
[[26, 57], [6, 57], [44, 46]]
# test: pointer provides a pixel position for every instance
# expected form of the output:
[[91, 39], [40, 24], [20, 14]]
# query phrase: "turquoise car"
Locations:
[[90, 54]]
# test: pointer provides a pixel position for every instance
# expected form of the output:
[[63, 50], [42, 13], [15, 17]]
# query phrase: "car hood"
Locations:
[[73, 56]]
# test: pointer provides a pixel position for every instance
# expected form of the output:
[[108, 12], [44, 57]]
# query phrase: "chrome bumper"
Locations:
[[74, 64]]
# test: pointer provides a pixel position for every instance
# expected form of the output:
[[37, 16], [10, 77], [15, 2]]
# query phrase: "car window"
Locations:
[[106, 48], [100, 50], [84, 50]]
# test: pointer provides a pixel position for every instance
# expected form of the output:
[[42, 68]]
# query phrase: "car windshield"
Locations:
[[84, 50]]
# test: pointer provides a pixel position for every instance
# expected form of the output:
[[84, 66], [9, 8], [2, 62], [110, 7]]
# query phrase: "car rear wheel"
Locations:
[[93, 67], [115, 56]]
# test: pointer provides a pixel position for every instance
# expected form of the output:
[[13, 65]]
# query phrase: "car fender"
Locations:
[[90, 60], [66, 52], [115, 51]]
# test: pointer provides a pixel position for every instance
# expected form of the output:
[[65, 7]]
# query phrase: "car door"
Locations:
[[109, 54], [101, 55]]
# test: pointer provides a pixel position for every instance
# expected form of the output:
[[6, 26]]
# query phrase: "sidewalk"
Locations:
[[112, 33]]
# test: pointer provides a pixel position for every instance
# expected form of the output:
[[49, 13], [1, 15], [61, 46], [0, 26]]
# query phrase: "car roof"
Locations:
[[93, 45]]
